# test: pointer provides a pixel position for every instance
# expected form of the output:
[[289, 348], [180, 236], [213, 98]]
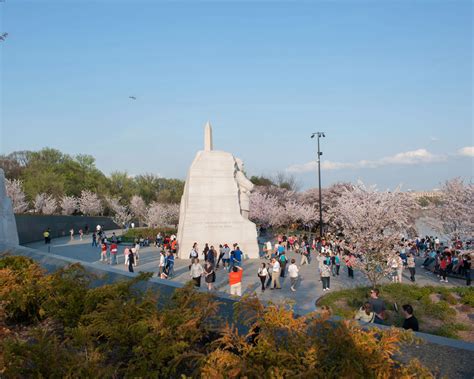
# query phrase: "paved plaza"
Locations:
[[308, 290]]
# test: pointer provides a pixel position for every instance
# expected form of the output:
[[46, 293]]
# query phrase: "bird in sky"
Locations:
[[3, 36], [132, 97]]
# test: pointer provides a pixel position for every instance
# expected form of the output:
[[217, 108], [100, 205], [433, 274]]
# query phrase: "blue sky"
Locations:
[[390, 82]]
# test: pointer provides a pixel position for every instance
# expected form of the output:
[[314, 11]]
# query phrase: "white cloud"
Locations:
[[434, 139], [467, 151], [406, 158]]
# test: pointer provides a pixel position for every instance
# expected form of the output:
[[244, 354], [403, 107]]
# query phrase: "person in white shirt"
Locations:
[[196, 272], [293, 272], [275, 275], [268, 251], [262, 274], [162, 262]]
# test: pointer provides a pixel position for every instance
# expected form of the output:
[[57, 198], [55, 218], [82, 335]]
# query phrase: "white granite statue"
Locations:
[[8, 231], [215, 204]]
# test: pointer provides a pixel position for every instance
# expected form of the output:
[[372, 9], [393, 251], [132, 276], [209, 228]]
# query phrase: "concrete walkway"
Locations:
[[303, 300]]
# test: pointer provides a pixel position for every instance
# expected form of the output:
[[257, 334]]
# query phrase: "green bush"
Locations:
[[131, 234], [22, 289], [345, 303], [451, 330], [467, 295]]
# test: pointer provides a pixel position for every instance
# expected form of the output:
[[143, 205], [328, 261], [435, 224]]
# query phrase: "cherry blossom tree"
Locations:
[[159, 214], [138, 208], [68, 205], [308, 214], [14, 189], [261, 207], [121, 215], [45, 204], [372, 222], [90, 204], [456, 214]]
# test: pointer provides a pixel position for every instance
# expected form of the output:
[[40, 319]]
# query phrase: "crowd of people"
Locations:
[[278, 261]]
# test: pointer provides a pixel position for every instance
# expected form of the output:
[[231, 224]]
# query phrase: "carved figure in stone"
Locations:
[[245, 187], [8, 231]]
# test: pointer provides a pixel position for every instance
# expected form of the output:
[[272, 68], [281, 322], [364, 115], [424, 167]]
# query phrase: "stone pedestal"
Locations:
[[8, 231], [211, 206]]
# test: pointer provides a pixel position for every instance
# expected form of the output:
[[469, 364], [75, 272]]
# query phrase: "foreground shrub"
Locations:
[[119, 331]]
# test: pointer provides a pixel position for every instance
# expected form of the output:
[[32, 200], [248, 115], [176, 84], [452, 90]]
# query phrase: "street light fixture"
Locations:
[[319, 135]]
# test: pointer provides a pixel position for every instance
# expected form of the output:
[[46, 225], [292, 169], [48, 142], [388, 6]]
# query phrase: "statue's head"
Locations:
[[240, 164]]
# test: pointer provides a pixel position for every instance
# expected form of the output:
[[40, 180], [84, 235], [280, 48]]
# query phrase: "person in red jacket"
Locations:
[[235, 280], [103, 252], [113, 253], [443, 265]]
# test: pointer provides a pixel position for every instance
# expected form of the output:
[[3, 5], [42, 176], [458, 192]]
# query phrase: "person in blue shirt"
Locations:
[[169, 264], [237, 257]]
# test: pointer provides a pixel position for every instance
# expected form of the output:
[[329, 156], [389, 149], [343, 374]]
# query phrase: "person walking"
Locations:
[[293, 272], [443, 265], [221, 255], [275, 275], [204, 252], [235, 281], [162, 264], [326, 275], [131, 260], [283, 260], [262, 275], [193, 254], [113, 253], [211, 255], [126, 253], [237, 257], [81, 234], [337, 260], [103, 252], [304, 254], [209, 275], [170, 264], [196, 272], [226, 257], [94, 240], [411, 266], [466, 262], [349, 264], [71, 232], [46, 236]]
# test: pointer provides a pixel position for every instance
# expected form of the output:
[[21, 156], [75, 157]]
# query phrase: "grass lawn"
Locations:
[[440, 310]]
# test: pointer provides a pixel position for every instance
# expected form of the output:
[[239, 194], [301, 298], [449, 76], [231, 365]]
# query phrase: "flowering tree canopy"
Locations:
[[138, 207], [373, 221], [159, 214], [90, 204], [121, 215], [456, 214], [68, 205], [15, 192], [45, 204]]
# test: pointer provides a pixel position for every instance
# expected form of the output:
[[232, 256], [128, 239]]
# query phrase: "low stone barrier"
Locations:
[[31, 227]]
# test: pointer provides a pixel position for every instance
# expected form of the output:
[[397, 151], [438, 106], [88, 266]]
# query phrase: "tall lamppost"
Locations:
[[319, 135]]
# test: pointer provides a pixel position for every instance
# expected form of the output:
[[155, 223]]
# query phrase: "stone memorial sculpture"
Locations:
[[215, 203], [8, 230]]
